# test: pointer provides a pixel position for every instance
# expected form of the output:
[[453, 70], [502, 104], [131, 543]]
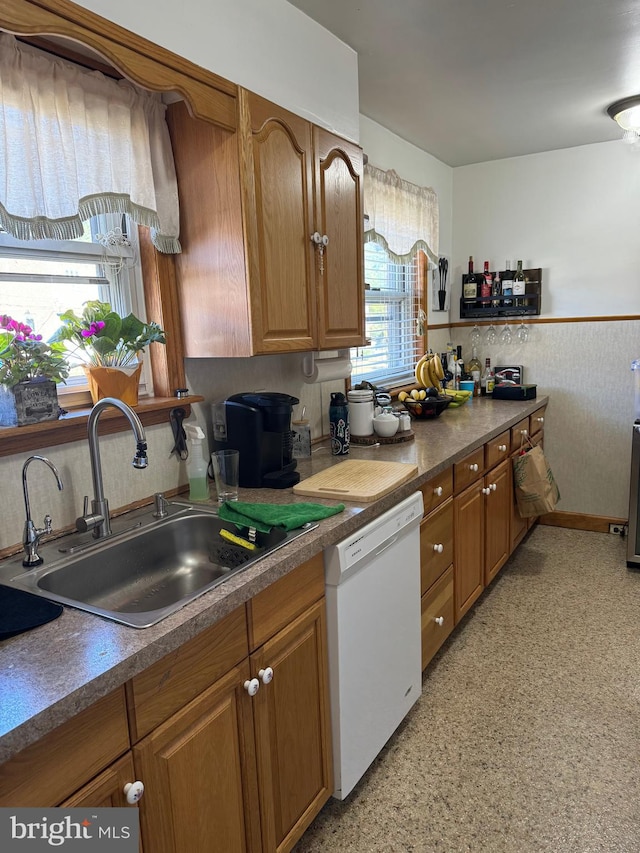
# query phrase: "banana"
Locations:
[[426, 374], [433, 373], [438, 368]]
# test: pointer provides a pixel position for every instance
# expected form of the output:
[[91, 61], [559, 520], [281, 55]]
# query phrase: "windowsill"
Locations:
[[73, 425]]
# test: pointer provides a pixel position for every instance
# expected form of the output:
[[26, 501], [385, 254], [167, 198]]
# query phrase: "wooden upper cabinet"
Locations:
[[278, 193], [339, 217], [250, 278]]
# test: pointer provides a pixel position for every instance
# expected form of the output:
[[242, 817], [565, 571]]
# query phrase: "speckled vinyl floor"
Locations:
[[527, 736]]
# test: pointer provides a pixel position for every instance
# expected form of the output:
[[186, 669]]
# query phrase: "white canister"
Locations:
[[360, 412]]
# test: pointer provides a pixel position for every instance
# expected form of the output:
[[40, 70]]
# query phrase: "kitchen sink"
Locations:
[[144, 575]]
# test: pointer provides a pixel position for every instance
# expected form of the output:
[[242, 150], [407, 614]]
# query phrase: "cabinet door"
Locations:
[[518, 525], [106, 790], [198, 769], [339, 217], [292, 729], [278, 186], [497, 515], [468, 521]]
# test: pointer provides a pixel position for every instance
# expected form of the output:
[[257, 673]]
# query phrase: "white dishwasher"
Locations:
[[374, 635]]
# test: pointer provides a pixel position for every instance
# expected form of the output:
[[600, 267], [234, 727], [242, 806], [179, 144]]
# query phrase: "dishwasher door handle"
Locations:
[[386, 545]]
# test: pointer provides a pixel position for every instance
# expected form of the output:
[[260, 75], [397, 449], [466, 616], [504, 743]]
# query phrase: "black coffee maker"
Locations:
[[259, 426]]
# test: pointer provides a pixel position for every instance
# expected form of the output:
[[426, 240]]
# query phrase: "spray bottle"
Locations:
[[196, 464]]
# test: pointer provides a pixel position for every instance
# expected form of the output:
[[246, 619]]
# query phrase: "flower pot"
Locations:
[[119, 382], [29, 403]]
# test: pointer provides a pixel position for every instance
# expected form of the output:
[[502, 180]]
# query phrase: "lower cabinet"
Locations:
[[436, 564], [246, 765]]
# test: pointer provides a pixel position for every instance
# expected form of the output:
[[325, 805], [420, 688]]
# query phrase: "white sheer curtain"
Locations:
[[75, 144], [403, 217]]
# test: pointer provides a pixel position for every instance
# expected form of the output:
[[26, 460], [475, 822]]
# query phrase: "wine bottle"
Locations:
[[488, 379], [487, 282], [507, 285], [475, 369], [470, 289], [496, 290], [519, 285]]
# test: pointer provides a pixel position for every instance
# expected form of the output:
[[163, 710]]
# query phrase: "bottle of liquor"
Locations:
[[488, 379], [507, 284], [519, 285], [470, 289], [487, 282], [475, 369], [496, 290]]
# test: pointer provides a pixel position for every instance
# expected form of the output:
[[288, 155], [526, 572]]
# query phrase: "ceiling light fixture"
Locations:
[[626, 113]]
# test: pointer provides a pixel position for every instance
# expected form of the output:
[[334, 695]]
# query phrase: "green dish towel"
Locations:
[[265, 516]]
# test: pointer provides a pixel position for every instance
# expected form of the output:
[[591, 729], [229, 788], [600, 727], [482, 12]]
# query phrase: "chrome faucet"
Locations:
[[32, 534], [98, 519]]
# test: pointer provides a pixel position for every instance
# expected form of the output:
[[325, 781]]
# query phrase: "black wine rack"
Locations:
[[526, 303]]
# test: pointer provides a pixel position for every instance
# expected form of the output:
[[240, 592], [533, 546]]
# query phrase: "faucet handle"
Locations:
[[88, 520], [48, 524]]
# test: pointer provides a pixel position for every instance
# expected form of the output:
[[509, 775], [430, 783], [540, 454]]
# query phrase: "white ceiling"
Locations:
[[476, 80]]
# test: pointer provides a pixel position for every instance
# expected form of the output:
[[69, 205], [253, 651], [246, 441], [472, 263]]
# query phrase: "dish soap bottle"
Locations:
[[196, 464]]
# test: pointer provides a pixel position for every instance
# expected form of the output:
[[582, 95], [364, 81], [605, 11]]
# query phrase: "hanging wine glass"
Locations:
[[492, 335], [505, 335], [476, 336], [522, 335]]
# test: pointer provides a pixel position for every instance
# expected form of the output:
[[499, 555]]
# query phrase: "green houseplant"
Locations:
[[30, 369], [109, 347]]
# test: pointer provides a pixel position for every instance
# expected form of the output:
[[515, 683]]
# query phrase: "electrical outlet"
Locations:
[[620, 529]]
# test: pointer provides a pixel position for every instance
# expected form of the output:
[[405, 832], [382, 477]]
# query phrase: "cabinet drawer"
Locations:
[[468, 469], [436, 544], [50, 770], [179, 677], [437, 616], [536, 420], [518, 432], [497, 449], [277, 605], [436, 491]]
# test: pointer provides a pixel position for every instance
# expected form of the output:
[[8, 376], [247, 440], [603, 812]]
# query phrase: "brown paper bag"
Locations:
[[535, 488]]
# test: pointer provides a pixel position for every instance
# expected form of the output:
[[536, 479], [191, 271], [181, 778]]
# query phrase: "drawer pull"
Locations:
[[438, 491], [473, 467], [502, 448], [133, 791], [439, 620], [439, 548], [266, 675], [252, 686]]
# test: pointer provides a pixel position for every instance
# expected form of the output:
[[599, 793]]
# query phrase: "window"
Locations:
[[402, 232], [393, 299], [42, 278]]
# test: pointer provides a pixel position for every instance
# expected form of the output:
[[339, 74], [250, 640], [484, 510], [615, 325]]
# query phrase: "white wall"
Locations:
[[576, 214], [267, 46]]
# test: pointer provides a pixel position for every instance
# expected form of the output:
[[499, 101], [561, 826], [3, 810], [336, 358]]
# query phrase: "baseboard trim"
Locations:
[[580, 521]]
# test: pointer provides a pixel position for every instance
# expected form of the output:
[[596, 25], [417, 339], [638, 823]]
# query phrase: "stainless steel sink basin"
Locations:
[[140, 577]]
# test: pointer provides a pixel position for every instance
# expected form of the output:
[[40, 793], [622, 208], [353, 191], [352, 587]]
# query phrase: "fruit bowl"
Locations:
[[430, 407]]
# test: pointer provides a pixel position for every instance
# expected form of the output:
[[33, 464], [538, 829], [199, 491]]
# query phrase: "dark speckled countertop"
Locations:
[[49, 674]]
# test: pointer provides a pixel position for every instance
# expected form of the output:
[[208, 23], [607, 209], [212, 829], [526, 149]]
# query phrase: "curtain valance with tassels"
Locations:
[[403, 217], [74, 144]]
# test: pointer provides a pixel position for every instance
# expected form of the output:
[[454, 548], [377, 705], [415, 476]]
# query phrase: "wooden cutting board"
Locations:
[[357, 480]]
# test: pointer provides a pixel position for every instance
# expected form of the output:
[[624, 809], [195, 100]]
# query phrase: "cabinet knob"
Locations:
[[252, 686], [502, 448], [316, 238], [133, 791], [439, 620], [473, 467], [438, 491], [486, 491], [540, 420], [524, 432], [493, 487], [439, 548], [266, 675]]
